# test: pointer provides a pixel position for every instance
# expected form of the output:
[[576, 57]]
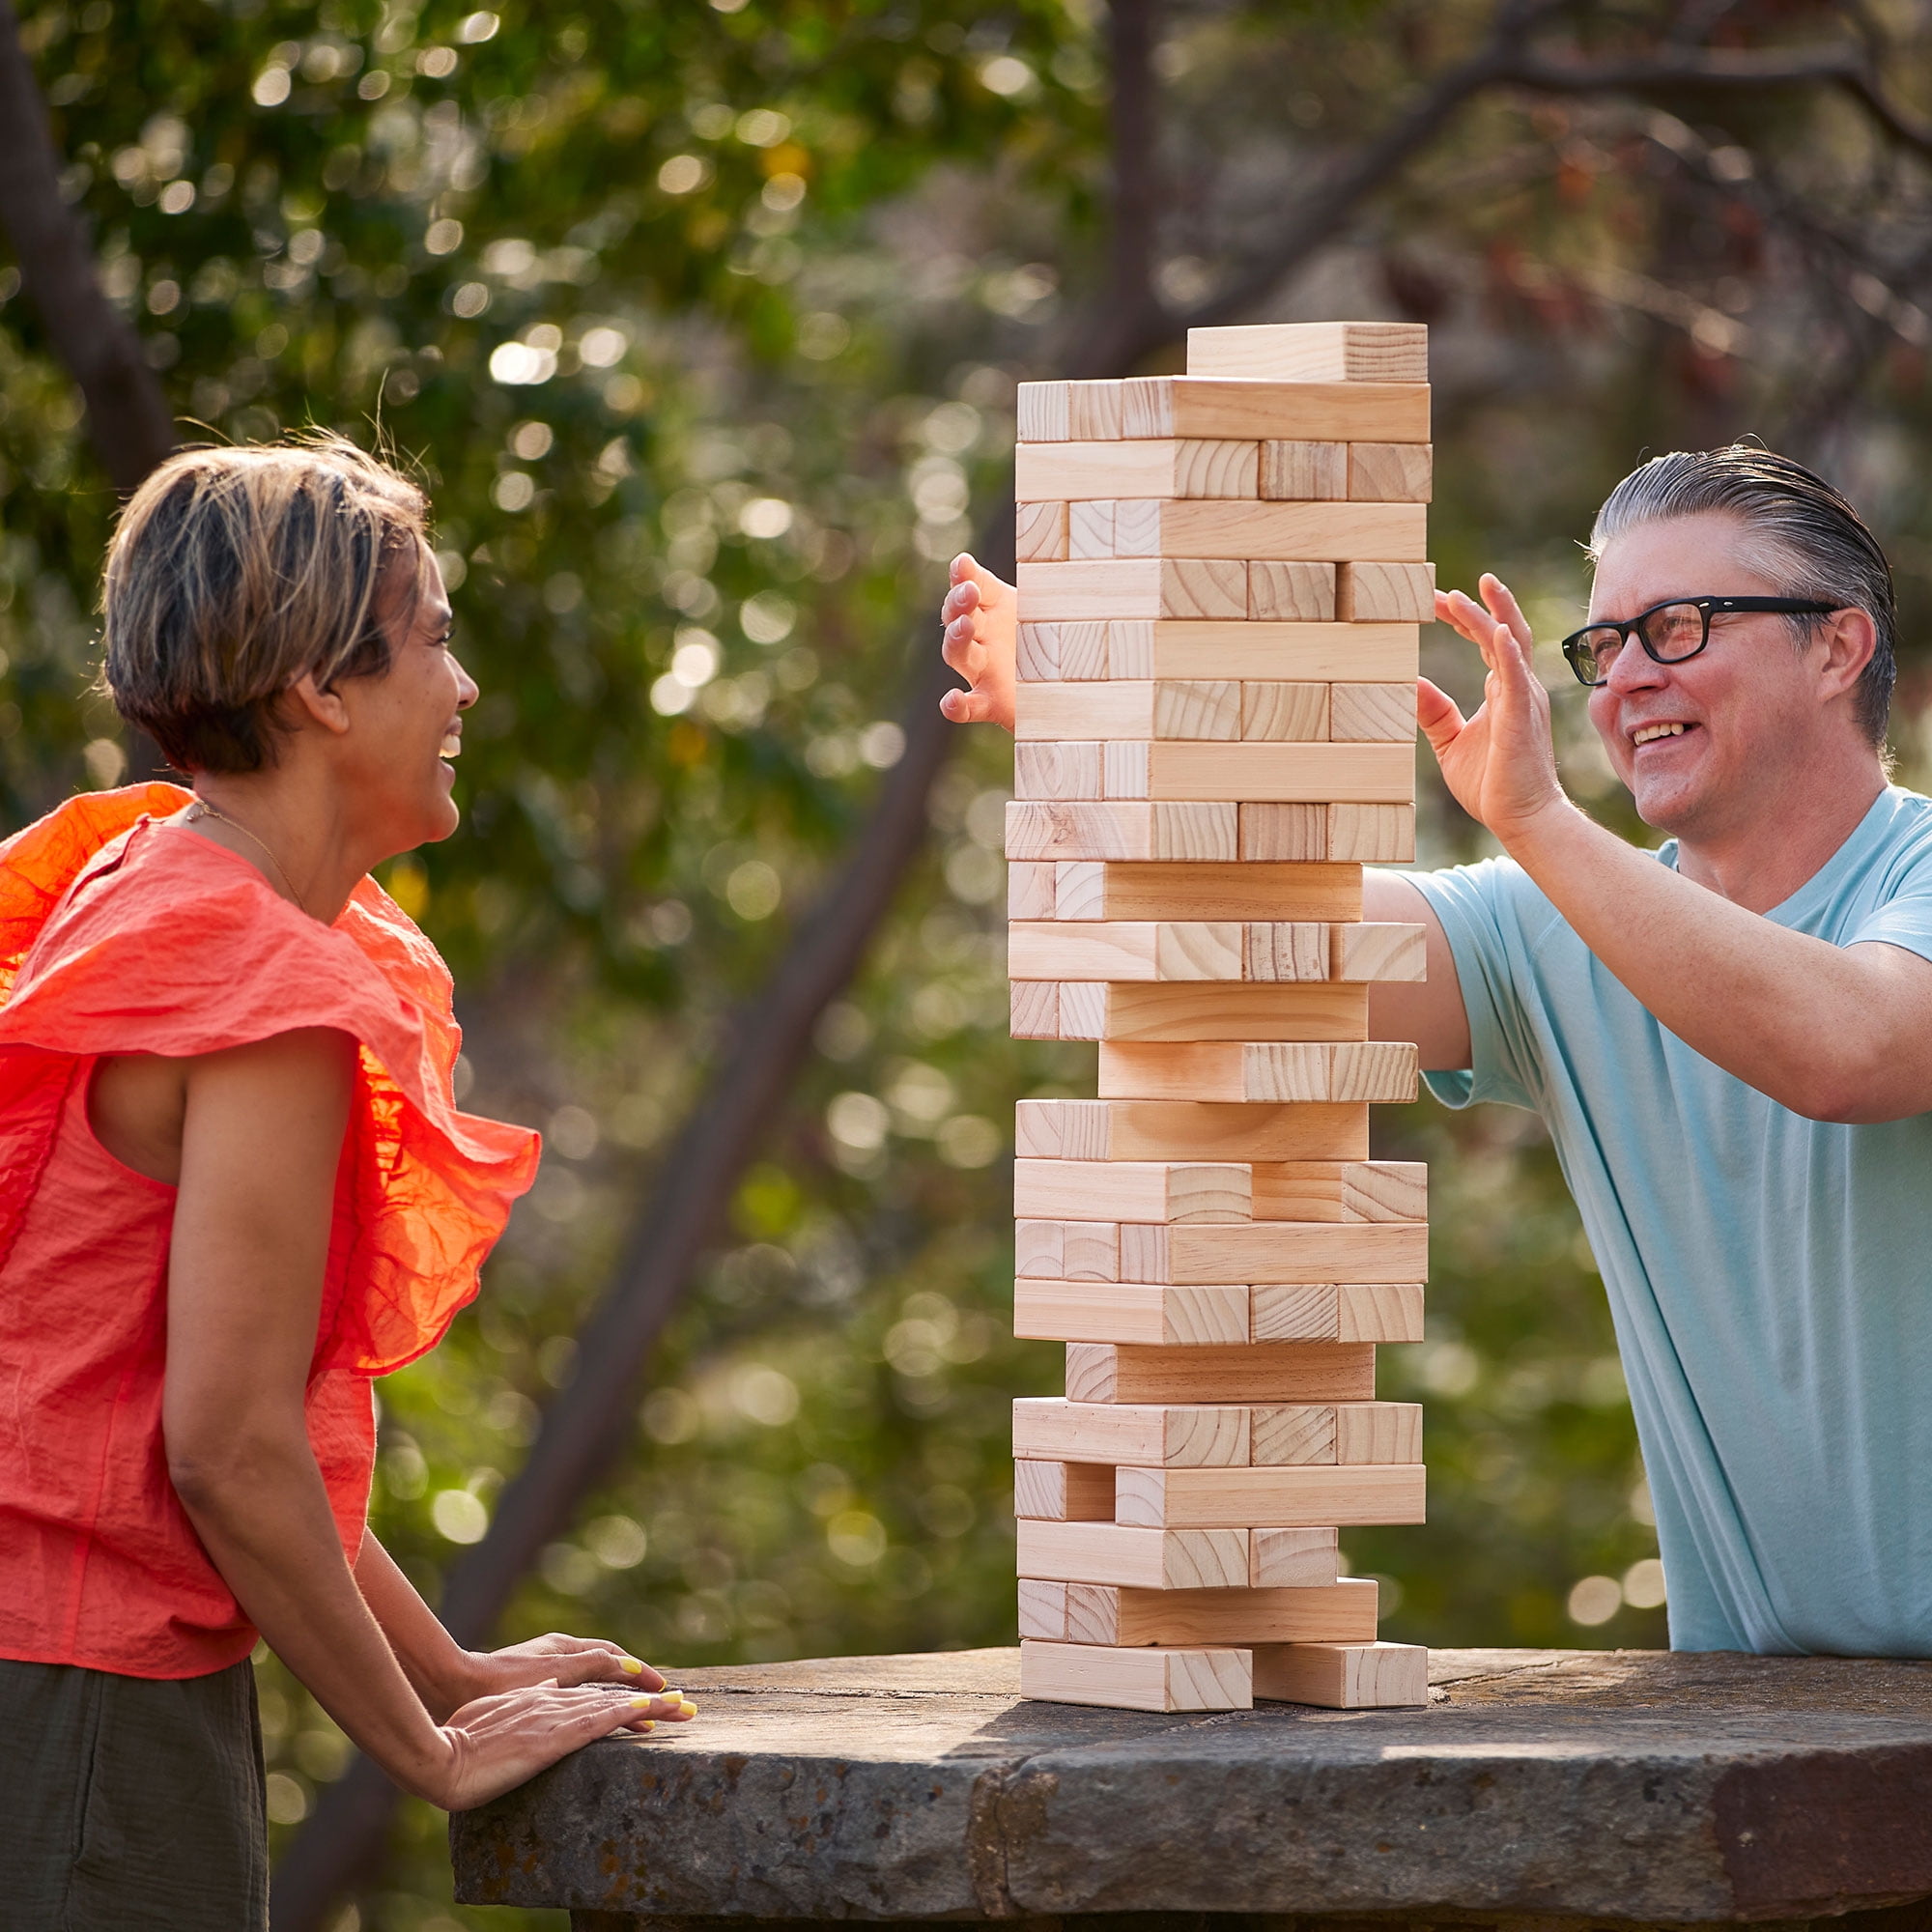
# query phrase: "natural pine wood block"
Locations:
[[1255, 1374], [1287, 1496], [1307, 833], [1062, 651], [1057, 770], [1377, 1071], [1389, 472], [1313, 352], [1089, 528], [1041, 411], [1284, 713], [1378, 951], [1357, 1312], [1066, 1249], [1340, 1612], [1139, 708], [1189, 586], [1039, 532], [1294, 532], [1284, 951], [1190, 406], [1189, 1130], [1032, 889], [1149, 1315], [1365, 713], [1291, 653], [1159, 1434], [1094, 409], [1041, 829], [1084, 1007], [1292, 1560], [1279, 592], [1178, 1009], [1309, 472], [1043, 1609], [1377, 1432], [1141, 1559], [1296, 1253], [1303, 1433], [1123, 769], [1034, 1010], [1133, 1190], [1396, 592], [1136, 1680], [1343, 1677], [1056, 1491], [1298, 774], [1096, 890], [1339, 1190], [1169, 949], [1055, 468]]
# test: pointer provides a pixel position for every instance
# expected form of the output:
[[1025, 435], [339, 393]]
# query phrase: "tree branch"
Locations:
[[1132, 309]]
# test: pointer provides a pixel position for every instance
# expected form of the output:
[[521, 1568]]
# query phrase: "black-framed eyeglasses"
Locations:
[[1671, 632]]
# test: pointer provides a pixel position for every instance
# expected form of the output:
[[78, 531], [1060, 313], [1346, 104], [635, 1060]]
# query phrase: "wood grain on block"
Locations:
[[1137, 708], [1296, 774], [1389, 472], [1089, 528], [1371, 835], [1061, 652], [1294, 532], [1151, 1314], [1135, 1558], [1136, 1680], [1096, 890], [1378, 951], [1083, 1008], [1066, 1250], [1341, 1072], [1291, 1560], [1034, 1010], [1343, 1676], [1057, 1492], [1286, 1496], [1058, 469], [1094, 409], [1040, 829], [1348, 1312], [1339, 1190], [1361, 713], [1367, 834], [1394, 592], [1189, 1130], [1192, 406], [1123, 768], [1042, 1608], [1032, 889], [1343, 1611], [1294, 1253], [1177, 1010], [1313, 352], [1057, 769], [1311, 653], [1263, 951], [1186, 586], [1284, 951], [1305, 472], [1161, 1434], [1272, 713], [1335, 1433], [1272, 1373], [1039, 532], [1290, 592], [1041, 411], [1133, 1190]]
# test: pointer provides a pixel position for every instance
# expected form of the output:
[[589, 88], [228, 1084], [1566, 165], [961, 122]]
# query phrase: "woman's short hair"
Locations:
[[1800, 532], [233, 571]]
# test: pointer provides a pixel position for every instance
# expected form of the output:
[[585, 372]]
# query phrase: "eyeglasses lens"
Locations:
[[1675, 632]]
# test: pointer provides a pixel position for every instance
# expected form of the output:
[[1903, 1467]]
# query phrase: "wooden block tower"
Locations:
[[1221, 579]]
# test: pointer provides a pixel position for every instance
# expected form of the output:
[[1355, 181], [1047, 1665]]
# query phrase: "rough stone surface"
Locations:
[[1618, 1785]]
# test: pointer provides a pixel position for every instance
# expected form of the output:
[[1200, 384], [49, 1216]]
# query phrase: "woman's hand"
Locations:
[[982, 641], [556, 1659], [1499, 762]]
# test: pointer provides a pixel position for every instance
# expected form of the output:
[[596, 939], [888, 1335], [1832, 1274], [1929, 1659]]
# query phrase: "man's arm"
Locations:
[[1430, 1012]]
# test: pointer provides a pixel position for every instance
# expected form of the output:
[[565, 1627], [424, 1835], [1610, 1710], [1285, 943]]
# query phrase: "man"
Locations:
[[1729, 1038]]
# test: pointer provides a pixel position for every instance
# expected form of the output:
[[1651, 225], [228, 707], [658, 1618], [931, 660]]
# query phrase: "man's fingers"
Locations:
[[966, 707], [1437, 713], [960, 600], [1500, 601]]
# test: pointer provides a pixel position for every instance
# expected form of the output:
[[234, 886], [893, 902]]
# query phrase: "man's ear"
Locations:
[[1849, 638], [317, 703]]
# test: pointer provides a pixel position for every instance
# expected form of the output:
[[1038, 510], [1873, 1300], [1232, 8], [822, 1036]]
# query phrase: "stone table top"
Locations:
[[1629, 1784]]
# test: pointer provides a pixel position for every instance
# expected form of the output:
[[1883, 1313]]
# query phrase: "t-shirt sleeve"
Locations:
[[1903, 917], [1480, 909]]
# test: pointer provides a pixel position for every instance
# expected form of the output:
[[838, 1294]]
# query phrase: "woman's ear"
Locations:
[[317, 703]]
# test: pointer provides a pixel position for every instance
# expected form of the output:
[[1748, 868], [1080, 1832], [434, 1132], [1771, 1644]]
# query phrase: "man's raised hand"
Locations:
[[1498, 762], [981, 640]]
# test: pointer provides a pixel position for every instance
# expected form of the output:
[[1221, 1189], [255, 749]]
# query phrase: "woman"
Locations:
[[234, 1187]]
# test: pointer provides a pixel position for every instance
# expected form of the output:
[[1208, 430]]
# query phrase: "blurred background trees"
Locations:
[[702, 323]]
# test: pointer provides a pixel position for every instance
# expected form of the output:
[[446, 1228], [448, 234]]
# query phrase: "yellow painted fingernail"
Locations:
[[687, 1708], [670, 1692], [648, 1724], [642, 1703], [634, 1664]]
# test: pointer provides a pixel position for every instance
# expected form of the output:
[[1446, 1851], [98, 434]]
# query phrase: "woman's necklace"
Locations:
[[202, 809]]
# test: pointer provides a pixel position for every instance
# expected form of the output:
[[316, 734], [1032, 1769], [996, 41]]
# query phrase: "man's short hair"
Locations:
[[1802, 533], [234, 571]]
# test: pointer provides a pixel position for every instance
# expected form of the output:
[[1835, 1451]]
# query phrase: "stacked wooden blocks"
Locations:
[[1221, 580]]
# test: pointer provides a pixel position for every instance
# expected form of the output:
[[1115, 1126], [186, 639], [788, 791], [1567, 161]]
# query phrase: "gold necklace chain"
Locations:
[[202, 809]]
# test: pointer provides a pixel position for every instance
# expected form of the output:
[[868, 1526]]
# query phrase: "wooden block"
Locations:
[[1189, 1130], [1310, 773], [1129, 709], [1130, 646], [1358, 1312], [1132, 1190], [1096, 890], [1284, 951], [1290, 592], [1190, 406], [1196, 708], [1134, 587], [1123, 769], [1306, 473], [1388, 473], [1292, 1253], [1039, 532], [1034, 1010], [1361, 713], [1341, 1072], [1313, 352], [1062, 651], [1090, 530], [1263, 950], [1377, 1432], [1083, 1010], [1064, 1492], [1343, 1611], [1378, 594], [1065, 1249], [1057, 769], [1054, 469], [1136, 1680], [1378, 951], [1291, 1560], [1284, 713], [1372, 834], [1152, 1315], [1158, 1435], [1343, 1677], [1339, 1190], [1180, 1010], [1294, 1433], [1277, 1372], [1042, 1608], [1311, 653], [1135, 1558], [1286, 1496], [1032, 890], [1094, 409], [1045, 830], [1042, 412], [1276, 532]]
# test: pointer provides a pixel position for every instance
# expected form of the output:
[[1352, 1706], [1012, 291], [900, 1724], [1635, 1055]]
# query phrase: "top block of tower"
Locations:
[[1313, 352]]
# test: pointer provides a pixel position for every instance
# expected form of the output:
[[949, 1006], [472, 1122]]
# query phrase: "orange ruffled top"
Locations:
[[122, 935]]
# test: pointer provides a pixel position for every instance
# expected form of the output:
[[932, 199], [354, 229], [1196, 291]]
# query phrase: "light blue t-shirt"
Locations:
[[1770, 1276]]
